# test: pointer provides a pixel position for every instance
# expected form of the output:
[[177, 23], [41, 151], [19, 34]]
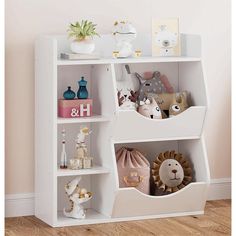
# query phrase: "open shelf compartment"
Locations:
[[98, 78], [93, 214], [189, 200]]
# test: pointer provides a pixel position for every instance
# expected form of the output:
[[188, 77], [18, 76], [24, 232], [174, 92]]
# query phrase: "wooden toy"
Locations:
[[75, 108], [171, 171]]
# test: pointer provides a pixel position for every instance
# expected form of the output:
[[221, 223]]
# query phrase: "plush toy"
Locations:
[[171, 172], [167, 100], [149, 108], [165, 81], [127, 87], [178, 105], [153, 85], [124, 34]]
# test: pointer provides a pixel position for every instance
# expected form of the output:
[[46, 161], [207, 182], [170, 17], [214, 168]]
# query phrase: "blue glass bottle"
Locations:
[[82, 92], [69, 94]]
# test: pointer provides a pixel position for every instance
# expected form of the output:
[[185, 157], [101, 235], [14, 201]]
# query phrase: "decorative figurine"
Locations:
[[77, 196], [82, 92], [82, 159], [124, 34], [63, 164], [69, 94]]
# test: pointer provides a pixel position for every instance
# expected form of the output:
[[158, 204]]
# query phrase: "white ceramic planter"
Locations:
[[85, 46]]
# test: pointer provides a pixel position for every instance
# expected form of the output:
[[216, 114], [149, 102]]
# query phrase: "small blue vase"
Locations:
[[69, 94], [82, 92]]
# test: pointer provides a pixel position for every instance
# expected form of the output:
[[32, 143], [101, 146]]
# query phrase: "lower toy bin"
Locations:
[[186, 201]]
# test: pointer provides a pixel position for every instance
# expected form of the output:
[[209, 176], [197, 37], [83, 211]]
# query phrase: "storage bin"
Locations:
[[133, 169]]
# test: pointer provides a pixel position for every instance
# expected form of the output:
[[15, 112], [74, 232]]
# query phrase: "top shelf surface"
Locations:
[[150, 59]]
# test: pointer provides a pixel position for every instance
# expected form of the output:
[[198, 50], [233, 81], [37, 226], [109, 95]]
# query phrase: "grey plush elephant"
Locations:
[[153, 85]]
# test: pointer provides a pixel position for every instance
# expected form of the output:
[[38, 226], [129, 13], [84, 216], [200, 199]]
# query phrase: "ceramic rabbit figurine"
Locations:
[[77, 196]]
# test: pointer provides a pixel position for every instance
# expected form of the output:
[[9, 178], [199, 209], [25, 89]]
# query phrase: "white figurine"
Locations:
[[81, 147], [124, 34], [63, 164], [81, 159], [77, 196], [82, 134]]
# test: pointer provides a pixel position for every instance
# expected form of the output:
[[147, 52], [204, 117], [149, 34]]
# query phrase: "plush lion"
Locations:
[[171, 172]]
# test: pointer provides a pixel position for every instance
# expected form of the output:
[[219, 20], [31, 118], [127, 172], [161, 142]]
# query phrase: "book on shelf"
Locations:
[[78, 56]]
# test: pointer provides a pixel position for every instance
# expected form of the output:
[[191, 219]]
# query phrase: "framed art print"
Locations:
[[165, 37]]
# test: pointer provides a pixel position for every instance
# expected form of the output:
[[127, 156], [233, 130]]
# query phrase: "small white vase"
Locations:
[[85, 46]]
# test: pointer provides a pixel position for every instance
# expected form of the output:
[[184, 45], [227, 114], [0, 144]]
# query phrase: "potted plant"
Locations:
[[82, 35]]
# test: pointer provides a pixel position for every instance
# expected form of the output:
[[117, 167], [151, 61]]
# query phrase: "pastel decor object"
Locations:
[[133, 169], [82, 92], [165, 37], [69, 94], [75, 108]]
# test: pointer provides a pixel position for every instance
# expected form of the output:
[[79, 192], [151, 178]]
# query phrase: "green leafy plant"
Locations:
[[79, 31]]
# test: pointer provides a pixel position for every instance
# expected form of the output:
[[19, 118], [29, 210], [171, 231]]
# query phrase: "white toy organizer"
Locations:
[[112, 129]]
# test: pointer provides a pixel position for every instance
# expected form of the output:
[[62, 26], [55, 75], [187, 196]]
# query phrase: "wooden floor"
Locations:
[[216, 221]]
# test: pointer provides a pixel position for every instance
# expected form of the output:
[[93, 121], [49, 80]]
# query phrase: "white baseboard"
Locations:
[[219, 189], [19, 204], [23, 204]]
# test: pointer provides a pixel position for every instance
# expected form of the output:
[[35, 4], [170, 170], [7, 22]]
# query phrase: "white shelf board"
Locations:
[[94, 118], [92, 171], [92, 217], [147, 59]]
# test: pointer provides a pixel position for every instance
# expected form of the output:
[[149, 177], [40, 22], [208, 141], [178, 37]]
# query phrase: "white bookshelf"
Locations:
[[113, 128]]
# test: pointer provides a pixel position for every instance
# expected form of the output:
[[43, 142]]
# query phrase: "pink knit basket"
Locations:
[[133, 169]]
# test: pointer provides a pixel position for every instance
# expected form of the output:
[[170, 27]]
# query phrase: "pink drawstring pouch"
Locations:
[[133, 169]]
